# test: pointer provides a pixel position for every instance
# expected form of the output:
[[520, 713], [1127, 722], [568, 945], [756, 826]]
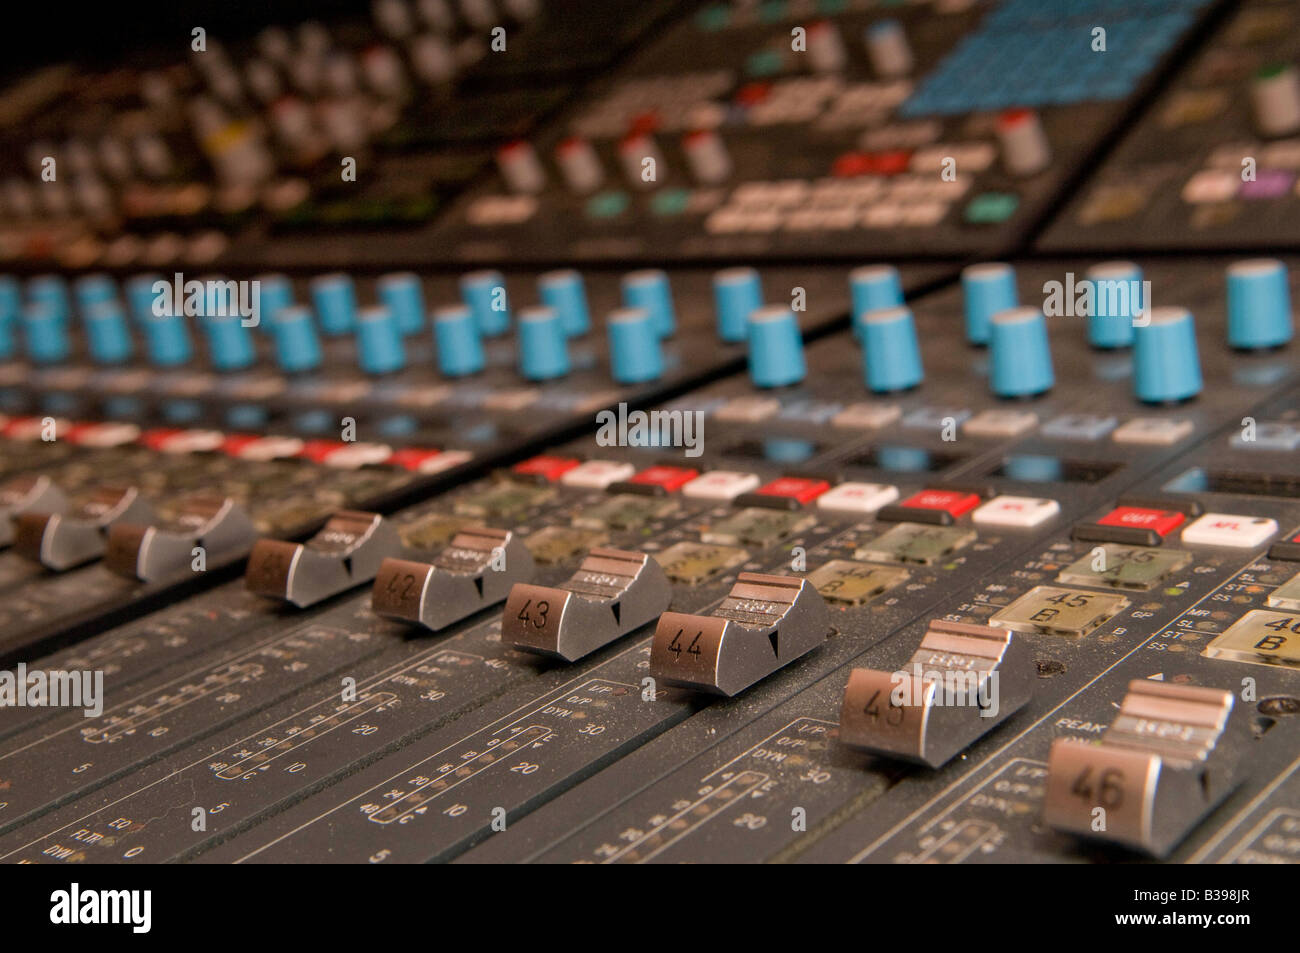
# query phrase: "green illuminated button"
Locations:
[[1125, 567], [916, 543], [607, 205], [848, 583], [991, 208]]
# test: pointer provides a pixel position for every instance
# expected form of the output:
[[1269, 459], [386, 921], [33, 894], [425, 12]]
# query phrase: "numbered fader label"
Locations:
[[843, 582], [1267, 638], [1053, 610]]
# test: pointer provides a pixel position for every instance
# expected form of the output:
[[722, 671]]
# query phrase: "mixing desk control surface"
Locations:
[[803, 432]]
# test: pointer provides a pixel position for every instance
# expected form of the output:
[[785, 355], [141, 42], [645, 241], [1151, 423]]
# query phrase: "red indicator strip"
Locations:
[[413, 801]]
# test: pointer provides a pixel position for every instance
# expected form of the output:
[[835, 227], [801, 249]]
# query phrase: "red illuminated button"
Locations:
[[552, 468], [671, 479], [952, 502], [795, 488], [1138, 517]]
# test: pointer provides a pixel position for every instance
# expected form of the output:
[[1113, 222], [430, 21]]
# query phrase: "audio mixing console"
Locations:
[[797, 431]]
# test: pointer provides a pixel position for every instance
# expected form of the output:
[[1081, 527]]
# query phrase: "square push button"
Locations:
[[1287, 549], [597, 474], [867, 416], [1079, 427], [1020, 512], [721, 485], [799, 489], [1153, 431], [1001, 423], [546, 466], [1225, 529], [857, 497], [1131, 525], [671, 479], [940, 507]]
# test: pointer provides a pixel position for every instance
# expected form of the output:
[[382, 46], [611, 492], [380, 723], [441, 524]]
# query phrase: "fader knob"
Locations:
[[543, 351], [635, 354], [1275, 97], [230, 345], [46, 332], [1025, 150], [1259, 304], [737, 293], [651, 290], [986, 289], [887, 46], [335, 299], [1020, 357], [1166, 366], [297, 345], [891, 357], [379, 342], [485, 293], [775, 347], [564, 292], [1116, 302], [107, 333], [403, 295], [460, 347]]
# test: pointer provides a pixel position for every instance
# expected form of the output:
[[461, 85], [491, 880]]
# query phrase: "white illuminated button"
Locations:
[[1022, 512], [858, 497], [1001, 423], [1227, 529], [1157, 431], [748, 409], [867, 416], [721, 485], [597, 474]]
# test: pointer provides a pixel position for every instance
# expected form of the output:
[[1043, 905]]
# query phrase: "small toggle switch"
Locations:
[[612, 593], [345, 553], [765, 623], [474, 571], [961, 682]]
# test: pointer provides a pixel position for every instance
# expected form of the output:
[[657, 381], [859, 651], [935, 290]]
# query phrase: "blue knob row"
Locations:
[[52, 292], [230, 343], [403, 295], [543, 349], [1117, 301], [335, 300], [459, 344], [737, 293], [11, 307], [275, 293], [46, 332], [1259, 304], [485, 294], [379, 342], [891, 355], [167, 340], [107, 332], [873, 288], [297, 345], [565, 293]]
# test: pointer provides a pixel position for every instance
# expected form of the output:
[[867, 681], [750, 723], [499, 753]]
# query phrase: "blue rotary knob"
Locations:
[[564, 292], [11, 306], [46, 332], [459, 344], [543, 351], [335, 299], [873, 288], [635, 354], [1166, 365], [274, 294], [140, 296], [167, 339], [650, 289], [51, 291], [737, 293], [987, 288], [775, 347], [297, 345], [402, 293], [485, 293], [1020, 357], [91, 290], [891, 356], [1259, 304], [1116, 302], [379, 342], [107, 332], [230, 344]]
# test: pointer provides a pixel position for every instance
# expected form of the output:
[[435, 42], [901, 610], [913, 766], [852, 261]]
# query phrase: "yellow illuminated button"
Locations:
[[1260, 636], [848, 583], [1287, 595], [693, 563], [1056, 611]]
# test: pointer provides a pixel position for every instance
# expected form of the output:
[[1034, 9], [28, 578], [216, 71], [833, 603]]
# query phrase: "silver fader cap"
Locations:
[[765, 623], [27, 494], [345, 553], [961, 682], [216, 524], [1171, 755], [613, 592], [64, 540], [474, 571]]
